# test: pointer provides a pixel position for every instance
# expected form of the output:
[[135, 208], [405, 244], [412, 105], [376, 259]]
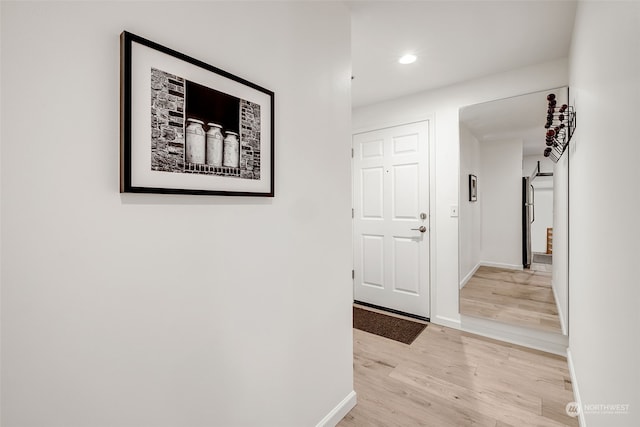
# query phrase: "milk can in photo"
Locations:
[[214, 145], [195, 145], [231, 150]]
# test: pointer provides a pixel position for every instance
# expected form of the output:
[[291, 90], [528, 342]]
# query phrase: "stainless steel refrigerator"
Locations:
[[528, 217], [529, 212]]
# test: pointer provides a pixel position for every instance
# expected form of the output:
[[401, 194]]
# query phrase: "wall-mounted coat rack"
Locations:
[[561, 123]]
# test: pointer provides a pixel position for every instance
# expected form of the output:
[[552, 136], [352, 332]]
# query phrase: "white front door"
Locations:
[[391, 218]]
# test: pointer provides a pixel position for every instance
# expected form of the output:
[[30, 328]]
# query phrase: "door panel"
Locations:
[[371, 149], [405, 144], [406, 203], [406, 261], [372, 260], [391, 190], [372, 192]]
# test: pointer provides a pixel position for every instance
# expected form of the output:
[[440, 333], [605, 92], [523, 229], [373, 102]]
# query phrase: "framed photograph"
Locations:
[[473, 188], [188, 127]]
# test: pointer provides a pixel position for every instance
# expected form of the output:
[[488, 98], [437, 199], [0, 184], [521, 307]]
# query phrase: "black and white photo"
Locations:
[[209, 132]]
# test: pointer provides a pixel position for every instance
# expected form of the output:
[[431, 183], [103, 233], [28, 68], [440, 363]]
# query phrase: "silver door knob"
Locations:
[[421, 229]]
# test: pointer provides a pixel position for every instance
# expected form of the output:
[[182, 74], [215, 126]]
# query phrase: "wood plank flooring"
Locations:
[[452, 378], [522, 298]]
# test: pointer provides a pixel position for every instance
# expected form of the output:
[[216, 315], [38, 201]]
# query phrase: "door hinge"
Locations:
[[352, 213], [353, 274], [352, 153]]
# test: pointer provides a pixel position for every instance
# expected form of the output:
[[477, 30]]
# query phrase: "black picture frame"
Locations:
[[162, 93], [473, 188]]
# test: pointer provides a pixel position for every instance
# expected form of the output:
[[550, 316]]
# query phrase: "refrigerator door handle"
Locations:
[[533, 203]]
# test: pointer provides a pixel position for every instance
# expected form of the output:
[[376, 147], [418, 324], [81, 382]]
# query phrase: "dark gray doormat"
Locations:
[[402, 330]]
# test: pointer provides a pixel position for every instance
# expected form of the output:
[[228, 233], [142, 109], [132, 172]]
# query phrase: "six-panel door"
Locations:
[[391, 191]]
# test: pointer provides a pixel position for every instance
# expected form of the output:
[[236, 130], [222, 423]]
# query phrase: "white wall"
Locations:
[[604, 314], [500, 197], [444, 104], [543, 186], [469, 213], [168, 310]]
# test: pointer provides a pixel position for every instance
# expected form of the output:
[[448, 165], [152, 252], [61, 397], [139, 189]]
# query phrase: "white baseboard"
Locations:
[[446, 321], [574, 385], [501, 265], [539, 340], [469, 276], [563, 325], [338, 413]]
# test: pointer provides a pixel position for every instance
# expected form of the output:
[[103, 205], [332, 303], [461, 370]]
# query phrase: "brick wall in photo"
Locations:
[[167, 122], [249, 140]]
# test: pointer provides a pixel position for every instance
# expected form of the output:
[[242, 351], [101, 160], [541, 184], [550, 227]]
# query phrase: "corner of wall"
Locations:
[[561, 312], [340, 411], [446, 321], [466, 278]]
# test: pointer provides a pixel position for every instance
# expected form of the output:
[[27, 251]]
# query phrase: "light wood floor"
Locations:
[[522, 298], [451, 378]]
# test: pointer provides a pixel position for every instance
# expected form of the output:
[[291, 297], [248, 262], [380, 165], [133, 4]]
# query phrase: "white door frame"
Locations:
[[432, 196]]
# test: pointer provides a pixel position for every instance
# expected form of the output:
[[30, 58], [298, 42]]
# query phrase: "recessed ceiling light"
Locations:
[[407, 59]]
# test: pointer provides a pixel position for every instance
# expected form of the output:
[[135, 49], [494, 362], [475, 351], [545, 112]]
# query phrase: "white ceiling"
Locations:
[[455, 40]]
